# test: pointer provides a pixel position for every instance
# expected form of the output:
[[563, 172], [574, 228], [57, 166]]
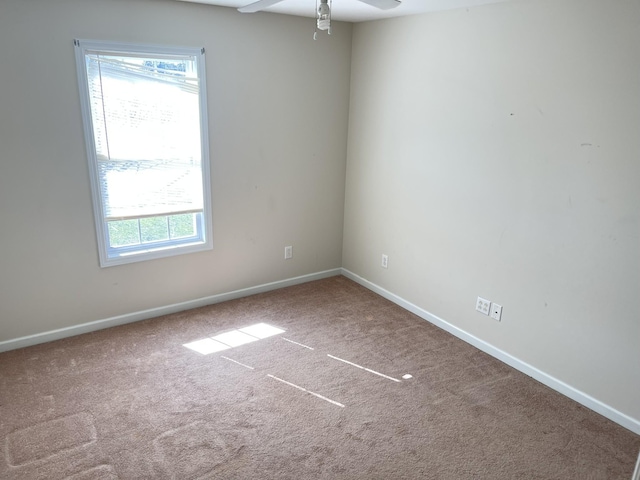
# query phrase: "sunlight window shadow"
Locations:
[[206, 346], [262, 330], [233, 338]]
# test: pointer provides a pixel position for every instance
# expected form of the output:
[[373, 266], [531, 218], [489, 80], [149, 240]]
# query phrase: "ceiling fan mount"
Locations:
[[263, 4], [323, 9]]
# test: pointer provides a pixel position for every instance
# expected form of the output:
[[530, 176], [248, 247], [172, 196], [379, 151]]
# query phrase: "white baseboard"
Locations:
[[636, 472], [551, 382], [156, 312]]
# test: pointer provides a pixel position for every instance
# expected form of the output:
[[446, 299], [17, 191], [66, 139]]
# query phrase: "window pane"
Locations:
[[154, 229], [182, 225], [124, 232]]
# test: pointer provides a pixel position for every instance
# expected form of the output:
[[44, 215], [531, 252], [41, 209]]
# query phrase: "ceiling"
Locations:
[[354, 10]]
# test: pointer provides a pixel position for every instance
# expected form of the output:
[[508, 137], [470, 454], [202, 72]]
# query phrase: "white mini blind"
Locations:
[[145, 113]]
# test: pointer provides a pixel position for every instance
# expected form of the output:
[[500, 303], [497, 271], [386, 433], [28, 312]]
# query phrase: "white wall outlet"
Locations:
[[288, 252], [496, 311], [385, 261], [483, 305]]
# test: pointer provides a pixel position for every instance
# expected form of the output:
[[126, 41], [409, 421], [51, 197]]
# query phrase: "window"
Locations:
[[145, 119]]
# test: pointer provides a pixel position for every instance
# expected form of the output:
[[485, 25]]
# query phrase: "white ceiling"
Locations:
[[354, 10]]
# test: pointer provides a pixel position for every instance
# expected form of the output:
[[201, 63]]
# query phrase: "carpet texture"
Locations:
[[325, 398]]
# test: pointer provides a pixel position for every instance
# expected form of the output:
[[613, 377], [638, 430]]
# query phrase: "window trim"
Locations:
[[145, 252]]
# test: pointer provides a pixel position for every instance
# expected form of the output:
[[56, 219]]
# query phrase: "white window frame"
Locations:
[[109, 256]]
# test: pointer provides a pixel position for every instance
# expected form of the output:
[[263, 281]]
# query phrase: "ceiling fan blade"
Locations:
[[257, 6], [383, 4]]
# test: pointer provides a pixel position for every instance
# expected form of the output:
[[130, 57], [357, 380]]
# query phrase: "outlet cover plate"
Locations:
[[483, 305]]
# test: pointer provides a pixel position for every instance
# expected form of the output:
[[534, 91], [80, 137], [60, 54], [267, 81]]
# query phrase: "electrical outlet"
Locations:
[[483, 305], [496, 311], [385, 261], [288, 252]]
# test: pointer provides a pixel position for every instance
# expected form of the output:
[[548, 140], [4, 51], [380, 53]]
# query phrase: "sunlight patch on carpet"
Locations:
[[237, 362], [296, 343], [317, 395], [364, 368], [233, 338], [206, 346], [262, 330]]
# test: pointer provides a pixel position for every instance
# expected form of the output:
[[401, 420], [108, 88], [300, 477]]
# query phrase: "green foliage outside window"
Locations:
[[123, 233]]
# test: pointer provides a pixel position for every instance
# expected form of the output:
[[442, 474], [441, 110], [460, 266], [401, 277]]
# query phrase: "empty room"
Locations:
[[341, 239]]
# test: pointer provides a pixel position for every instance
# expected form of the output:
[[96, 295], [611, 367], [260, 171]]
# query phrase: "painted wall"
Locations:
[[496, 152], [278, 113]]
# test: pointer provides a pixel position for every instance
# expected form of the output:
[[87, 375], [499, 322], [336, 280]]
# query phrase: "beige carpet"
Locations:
[[324, 398]]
